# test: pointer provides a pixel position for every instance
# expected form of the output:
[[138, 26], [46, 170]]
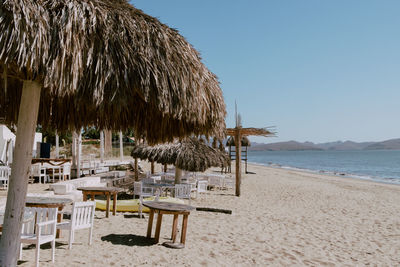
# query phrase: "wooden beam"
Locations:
[[18, 184], [238, 159]]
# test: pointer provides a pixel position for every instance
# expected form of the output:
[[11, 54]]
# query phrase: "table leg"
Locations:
[[84, 196], [107, 205], [114, 203], [158, 227], [59, 219], [184, 227], [174, 228], [150, 225]]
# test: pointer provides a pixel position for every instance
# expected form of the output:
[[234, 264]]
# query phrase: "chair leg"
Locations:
[[20, 252], [140, 207], [70, 239], [37, 254], [90, 234], [53, 250]]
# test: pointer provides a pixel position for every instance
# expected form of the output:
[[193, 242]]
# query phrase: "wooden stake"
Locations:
[[18, 184]]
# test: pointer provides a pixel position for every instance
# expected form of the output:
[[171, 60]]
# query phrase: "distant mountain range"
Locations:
[[391, 144]]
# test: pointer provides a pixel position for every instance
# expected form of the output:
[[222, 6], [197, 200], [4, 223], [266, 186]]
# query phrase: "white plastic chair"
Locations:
[[142, 191], [201, 187], [215, 181], [39, 171], [82, 217], [40, 230], [5, 173], [66, 171], [183, 191]]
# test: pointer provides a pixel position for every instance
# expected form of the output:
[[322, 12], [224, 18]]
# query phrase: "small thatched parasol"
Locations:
[[189, 155], [68, 63]]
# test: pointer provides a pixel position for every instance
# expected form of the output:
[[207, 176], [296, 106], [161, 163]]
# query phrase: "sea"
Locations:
[[376, 165]]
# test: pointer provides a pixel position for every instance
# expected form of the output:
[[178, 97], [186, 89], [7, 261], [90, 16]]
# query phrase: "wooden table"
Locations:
[[168, 208], [107, 191], [49, 202]]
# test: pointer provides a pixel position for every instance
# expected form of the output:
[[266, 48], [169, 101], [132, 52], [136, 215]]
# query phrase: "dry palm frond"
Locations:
[[106, 63]]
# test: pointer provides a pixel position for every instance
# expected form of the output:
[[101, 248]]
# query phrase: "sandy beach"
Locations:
[[283, 218]]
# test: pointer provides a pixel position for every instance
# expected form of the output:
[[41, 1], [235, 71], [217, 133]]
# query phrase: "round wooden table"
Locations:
[[107, 191], [168, 208], [49, 202]]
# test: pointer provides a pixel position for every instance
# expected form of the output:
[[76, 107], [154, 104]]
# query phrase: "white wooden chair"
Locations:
[[38, 170], [40, 230], [201, 187], [5, 173], [66, 171], [183, 191], [82, 217], [215, 180], [139, 189]]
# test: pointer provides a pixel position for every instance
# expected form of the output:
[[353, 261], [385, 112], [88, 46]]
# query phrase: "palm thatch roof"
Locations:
[[268, 131], [105, 63], [189, 155], [231, 141]]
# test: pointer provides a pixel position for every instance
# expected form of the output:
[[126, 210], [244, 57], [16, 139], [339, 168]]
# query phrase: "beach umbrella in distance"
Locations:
[[237, 133], [191, 154], [66, 64]]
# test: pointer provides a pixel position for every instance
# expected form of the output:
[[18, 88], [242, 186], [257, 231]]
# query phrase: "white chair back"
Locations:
[[41, 215], [82, 215], [149, 180], [5, 173], [183, 191], [139, 189], [202, 186]]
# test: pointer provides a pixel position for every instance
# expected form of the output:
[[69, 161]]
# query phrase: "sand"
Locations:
[[282, 218]]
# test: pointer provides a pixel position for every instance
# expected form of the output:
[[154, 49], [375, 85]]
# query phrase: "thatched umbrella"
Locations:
[[238, 132], [67, 63], [191, 154]]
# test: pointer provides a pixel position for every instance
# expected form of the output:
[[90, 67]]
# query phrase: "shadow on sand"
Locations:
[[128, 240]]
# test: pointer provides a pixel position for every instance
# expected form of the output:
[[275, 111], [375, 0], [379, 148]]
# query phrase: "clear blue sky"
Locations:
[[317, 70]]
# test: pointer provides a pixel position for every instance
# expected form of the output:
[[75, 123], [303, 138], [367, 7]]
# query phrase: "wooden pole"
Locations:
[[18, 184], [152, 167], [57, 146], [101, 146], [121, 146], [165, 167], [136, 170], [73, 152], [108, 143], [238, 144], [79, 155], [178, 175]]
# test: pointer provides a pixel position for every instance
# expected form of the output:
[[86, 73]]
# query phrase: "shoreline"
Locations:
[[382, 180]]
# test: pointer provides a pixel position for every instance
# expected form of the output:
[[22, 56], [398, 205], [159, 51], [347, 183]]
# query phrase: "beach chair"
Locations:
[[82, 217], [66, 171], [139, 189], [38, 170], [5, 173], [183, 191], [201, 187], [40, 230]]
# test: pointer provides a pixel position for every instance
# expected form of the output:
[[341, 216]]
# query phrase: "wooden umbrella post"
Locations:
[[238, 159], [121, 146], [57, 146], [101, 146], [178, 175], [152, 167], [136, 170], [16, 196]]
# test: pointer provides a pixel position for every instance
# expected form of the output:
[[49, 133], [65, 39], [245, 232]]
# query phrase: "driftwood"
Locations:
[[214, 210]]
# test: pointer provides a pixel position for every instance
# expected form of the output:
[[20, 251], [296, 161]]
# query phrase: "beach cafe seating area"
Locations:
[[66, 191]]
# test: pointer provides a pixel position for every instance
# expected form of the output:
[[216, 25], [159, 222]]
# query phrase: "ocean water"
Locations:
[[377, 165]]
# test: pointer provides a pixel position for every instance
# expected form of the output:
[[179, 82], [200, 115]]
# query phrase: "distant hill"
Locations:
[[338, 145], [388, 144], [290, 145]]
